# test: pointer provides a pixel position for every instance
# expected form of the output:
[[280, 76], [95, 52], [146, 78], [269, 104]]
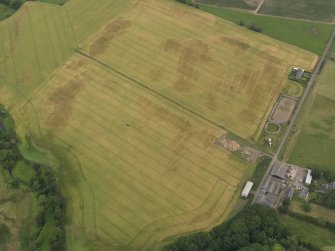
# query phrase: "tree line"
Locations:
[[14, 4], [326, 199], [256, 228], [189, 2], [43, 185]]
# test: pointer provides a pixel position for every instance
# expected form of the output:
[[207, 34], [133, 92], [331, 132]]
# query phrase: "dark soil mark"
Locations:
[[113, 29], [66, 94], [237, 44], [192, 52]]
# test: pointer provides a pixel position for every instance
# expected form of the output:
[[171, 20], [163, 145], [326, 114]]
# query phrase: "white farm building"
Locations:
[[308, 180], [246, 189]]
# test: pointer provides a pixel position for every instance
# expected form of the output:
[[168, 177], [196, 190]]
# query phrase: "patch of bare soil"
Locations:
[[113, 29], [284, 110], [244, 152], [226, 143]]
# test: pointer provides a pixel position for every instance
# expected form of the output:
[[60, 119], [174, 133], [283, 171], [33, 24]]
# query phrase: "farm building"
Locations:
[[279, 170], [308, 180], [304, 193], [297, 73], [290, 192], [328, 186], [246, 189], [300, 75]]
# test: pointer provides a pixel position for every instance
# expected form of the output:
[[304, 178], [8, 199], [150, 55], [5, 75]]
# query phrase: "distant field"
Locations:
[[317, 211], [320, 10], [318, 236], [150, 168], [307, 35], [315, 144], [184, 55], [243, 4]]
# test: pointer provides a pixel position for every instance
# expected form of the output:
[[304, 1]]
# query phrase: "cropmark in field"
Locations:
[[33, 43], [150, 168], [132, 110], [222, 72]]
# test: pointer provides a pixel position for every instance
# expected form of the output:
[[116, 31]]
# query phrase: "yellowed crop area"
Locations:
[[218, 70], [151, 167], [129, 96], [87, 16], [33, 43]]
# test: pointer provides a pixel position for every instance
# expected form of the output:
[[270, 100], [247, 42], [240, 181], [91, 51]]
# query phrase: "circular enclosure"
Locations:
[[272, 128]]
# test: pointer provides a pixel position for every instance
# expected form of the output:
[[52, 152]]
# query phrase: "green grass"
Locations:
[[313, 151], [315, 145], [318, 236], [293, 89], [23, 171], [307, 35], [316, 211], [326, 83], [259, 172], [320, 10]]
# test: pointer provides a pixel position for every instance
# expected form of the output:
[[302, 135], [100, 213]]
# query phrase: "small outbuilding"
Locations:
[[308, 180], [246, 189], [304, 193]]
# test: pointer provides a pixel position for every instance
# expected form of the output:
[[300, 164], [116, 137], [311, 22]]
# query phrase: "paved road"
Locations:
[[294, 118]]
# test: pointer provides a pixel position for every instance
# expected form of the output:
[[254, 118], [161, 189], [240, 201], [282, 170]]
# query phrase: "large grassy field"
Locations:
[[125, 99], [320, 10], [224, 73], [320, 237], [316, 211], [315, 145], [310, 36], [148, 168]]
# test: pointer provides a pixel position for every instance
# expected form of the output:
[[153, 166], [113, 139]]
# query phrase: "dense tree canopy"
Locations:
[[43, 184], [255, 228]]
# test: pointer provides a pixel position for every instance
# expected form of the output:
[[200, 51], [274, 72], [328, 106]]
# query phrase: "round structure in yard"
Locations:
[[272, 128]]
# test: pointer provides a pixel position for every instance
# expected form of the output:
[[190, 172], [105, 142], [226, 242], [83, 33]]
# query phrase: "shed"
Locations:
[[290, 192], [246, 189], [308, 180], [304, 193]]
